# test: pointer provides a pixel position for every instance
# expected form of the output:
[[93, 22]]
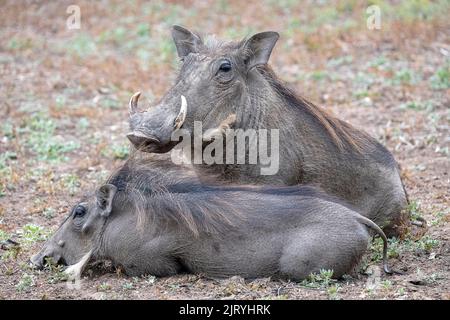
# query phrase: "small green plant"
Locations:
[[71, 182], [110, 103], [116, 151], [128, 286], [82, 45], [8, 129], [56, 271], [25, 283], [406, 76], [5, 158], [120, 151], [426, 244], [414, 210], [376, 248], [319, 75], [31, 233], [83, 123], [439, 217], [387, 284], [441, 79], [49, 213], [323, 279], [43, 141], [333, 292], [104, 286], [418, 106], [150, 279], [4, 235]]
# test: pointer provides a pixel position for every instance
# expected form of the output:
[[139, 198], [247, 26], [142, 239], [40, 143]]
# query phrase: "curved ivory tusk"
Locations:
[[179, 120], [74, 271], [133, 105]]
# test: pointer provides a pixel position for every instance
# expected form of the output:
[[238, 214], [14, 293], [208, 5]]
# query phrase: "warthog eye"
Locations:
[[225, 66], [79, 212]]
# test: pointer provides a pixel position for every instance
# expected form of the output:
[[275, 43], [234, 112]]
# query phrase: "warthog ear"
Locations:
[[185, 40], [105, 196], [258, 48]]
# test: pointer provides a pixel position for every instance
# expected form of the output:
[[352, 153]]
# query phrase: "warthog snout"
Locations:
[[39, 260], [144, 141], [152, 132]]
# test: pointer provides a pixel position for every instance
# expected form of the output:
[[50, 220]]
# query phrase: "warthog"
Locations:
[[159, 220], [221, 78]]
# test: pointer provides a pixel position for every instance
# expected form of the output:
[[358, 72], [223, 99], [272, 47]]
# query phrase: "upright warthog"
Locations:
[[155, 219], [222, 78]]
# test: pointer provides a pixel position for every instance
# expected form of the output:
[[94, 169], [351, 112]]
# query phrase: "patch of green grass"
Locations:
[[412, 9], [110, 103], [426, 244], [49, 213], [363, 81], [5, 158], [439, 218], [104, 286], [31, 233], [414, 209], [143, 30], [427, 106], [4, 235], [361, 94], [339, 61], [323, 279], [7, 129], [116, 151], [60, 102], [333, 292], [20, 43], [386, 284], [71, 182], [376, 248], [56, 271], [380, 62], [25, 283], [128, 286], [405, 76], [82, 45], [43, 141], [149, 279], [441, 79], [319, 75], [83, 123], [396, 247]]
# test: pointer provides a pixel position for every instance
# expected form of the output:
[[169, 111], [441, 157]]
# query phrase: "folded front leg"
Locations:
[[220, 131]]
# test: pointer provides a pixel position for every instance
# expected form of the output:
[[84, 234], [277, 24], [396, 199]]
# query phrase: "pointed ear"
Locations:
[[258, 48], [185, 41], [105, 196]]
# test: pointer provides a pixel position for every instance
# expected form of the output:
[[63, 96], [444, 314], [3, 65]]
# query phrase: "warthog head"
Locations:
[[74, 238], [214, 80]]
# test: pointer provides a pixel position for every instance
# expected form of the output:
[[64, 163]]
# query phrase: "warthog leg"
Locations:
[[210, 134]]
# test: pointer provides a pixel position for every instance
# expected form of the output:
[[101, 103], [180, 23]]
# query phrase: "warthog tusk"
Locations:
[[133, 105], [74, 271], [179, 120]]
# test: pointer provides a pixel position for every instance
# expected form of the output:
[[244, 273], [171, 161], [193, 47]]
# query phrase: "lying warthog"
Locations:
[[220, 78], [153, 219]]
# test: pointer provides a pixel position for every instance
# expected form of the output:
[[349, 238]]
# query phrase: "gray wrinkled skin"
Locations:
[[161, 222], [315, 148]]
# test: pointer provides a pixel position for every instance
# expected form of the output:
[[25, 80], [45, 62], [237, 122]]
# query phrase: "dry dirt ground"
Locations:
[[63, 96]]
